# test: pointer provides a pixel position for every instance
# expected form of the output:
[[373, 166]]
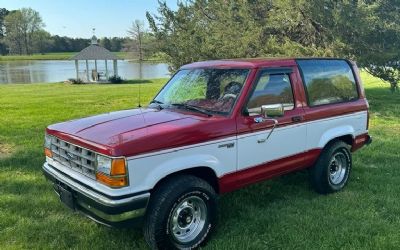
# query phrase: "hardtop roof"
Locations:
[[246, 63]]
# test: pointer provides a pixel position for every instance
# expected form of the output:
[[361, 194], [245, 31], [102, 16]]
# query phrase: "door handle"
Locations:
[[297, 118], [262, 140]]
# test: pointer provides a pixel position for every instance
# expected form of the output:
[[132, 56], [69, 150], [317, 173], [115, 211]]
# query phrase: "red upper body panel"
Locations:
[[243, 63], [137, 131]]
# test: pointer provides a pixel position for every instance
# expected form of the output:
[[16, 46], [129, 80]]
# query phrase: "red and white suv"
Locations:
[[216, 126]]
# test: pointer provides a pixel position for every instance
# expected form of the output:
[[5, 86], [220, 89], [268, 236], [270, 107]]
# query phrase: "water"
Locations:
[[57, 71]]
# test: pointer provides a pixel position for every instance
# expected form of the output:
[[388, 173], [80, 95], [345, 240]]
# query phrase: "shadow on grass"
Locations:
[[133, 81]]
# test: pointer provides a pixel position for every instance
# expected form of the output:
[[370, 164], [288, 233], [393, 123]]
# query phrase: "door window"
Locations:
[[271, 89]]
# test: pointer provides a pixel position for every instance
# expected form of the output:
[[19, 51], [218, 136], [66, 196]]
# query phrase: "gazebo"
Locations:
[[95, 52]]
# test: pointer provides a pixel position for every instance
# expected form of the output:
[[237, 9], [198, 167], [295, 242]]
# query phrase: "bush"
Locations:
[[76, 81], [115, 79]]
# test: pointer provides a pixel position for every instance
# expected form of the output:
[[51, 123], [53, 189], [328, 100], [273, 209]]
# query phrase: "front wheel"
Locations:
[[332, 169], [181, 214]]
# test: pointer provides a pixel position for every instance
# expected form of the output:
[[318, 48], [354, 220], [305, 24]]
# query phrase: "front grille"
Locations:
[[77, 158]]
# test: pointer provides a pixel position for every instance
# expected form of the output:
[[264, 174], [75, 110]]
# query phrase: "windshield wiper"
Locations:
[[156, 101], [159, 103], [194, 108]]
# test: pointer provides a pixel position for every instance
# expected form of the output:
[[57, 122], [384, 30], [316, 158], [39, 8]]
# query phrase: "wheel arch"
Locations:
[[343, 133], [205, 173]]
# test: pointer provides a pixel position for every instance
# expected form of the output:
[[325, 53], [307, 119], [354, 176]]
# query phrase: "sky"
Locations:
[[77, 18]]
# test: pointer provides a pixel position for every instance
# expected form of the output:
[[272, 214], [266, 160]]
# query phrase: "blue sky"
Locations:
[[76, 18]]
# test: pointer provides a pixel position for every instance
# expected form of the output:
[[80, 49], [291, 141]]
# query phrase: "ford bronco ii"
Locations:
[[216, 126]]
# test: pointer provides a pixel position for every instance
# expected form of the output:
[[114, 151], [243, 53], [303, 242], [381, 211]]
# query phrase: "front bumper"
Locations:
[[119, 211]]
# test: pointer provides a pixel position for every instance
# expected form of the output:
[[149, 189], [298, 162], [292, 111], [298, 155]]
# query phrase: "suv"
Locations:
[[215, 127]]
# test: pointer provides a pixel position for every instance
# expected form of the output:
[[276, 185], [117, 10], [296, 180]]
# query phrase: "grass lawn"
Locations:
[[283, 213], [68, 55], [46, 56]]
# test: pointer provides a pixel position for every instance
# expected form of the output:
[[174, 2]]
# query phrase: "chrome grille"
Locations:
[[77, 158]]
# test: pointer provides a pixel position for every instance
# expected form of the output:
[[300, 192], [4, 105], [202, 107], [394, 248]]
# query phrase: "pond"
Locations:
[[39, 71]]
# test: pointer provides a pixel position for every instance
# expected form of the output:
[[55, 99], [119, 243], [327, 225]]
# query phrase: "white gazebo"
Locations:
[[95, 52]]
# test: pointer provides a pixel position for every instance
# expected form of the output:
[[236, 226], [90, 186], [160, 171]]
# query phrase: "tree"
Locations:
[[13, 35], [137, 32], [380, 39], [365, 31], [3, 13], [106, 43], [202, 29], [117, 44], [42, 41], [20, 26]]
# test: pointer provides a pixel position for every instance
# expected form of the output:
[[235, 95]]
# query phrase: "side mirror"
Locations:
[[272, 110]]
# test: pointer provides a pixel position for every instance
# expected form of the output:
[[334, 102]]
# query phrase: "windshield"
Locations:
[[208, 90]]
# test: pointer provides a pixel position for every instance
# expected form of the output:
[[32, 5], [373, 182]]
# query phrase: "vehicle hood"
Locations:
[[130, 132]]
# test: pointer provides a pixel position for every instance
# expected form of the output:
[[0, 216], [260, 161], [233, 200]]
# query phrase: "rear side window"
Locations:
[[328, 81]]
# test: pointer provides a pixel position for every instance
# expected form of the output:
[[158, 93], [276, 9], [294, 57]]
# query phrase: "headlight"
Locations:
[[47, 146], [104, 164], [111, 171], [47, 141]]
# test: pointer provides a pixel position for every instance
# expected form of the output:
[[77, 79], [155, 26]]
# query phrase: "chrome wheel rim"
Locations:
[[337, 168], [188, 219]]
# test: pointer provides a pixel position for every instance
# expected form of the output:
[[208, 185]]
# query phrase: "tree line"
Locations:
[[366, 31], [22, 33]]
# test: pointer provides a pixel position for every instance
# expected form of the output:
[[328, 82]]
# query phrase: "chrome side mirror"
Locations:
[[272, 110]]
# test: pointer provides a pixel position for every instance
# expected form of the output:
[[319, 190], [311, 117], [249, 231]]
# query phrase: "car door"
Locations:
[[265, 150]]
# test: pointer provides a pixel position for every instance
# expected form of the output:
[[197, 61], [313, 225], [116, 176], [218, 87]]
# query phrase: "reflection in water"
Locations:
[[57, 71]]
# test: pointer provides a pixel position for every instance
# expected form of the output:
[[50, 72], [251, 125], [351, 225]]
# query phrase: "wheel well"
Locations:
[[204, 173], [348, 139]]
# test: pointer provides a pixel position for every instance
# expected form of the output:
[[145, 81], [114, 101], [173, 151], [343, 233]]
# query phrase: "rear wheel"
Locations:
[[181, 214], [332, 169]]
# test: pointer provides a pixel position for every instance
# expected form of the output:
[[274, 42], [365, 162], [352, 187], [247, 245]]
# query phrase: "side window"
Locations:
[[328, 81], [271, 89]]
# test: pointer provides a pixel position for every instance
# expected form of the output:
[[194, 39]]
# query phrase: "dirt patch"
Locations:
[[6, 150]]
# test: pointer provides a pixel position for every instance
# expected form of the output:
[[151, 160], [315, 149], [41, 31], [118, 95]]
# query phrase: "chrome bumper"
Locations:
[[112, 211]]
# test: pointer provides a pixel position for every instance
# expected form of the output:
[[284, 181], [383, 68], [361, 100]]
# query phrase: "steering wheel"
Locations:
[[229, 95], [231, 90]]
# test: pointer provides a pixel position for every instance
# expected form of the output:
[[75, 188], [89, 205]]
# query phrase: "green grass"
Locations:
[[68, 55], [46, 56], [283, 213]]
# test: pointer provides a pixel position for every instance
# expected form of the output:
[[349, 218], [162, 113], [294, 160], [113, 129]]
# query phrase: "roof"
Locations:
[[247, 63], [242, 63], [94, 52]]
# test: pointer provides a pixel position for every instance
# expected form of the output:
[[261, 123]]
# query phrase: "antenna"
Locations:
[[140, 85], [140, 82]]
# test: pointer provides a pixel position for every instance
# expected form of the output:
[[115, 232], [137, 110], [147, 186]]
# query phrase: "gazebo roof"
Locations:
[[94, 52]]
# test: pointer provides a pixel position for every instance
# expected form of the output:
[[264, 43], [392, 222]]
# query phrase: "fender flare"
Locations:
[[175, 165], [333, 133]]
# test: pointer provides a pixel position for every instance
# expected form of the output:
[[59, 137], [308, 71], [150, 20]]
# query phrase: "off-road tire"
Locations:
[[165, 201], [321, 172]]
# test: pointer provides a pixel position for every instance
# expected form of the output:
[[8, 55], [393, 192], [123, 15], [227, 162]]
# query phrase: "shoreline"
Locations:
[[126, 82], [65, 56]]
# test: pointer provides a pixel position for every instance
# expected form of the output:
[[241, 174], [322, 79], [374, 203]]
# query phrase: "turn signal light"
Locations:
[[113, 182], [118, 167], [48, 153]]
